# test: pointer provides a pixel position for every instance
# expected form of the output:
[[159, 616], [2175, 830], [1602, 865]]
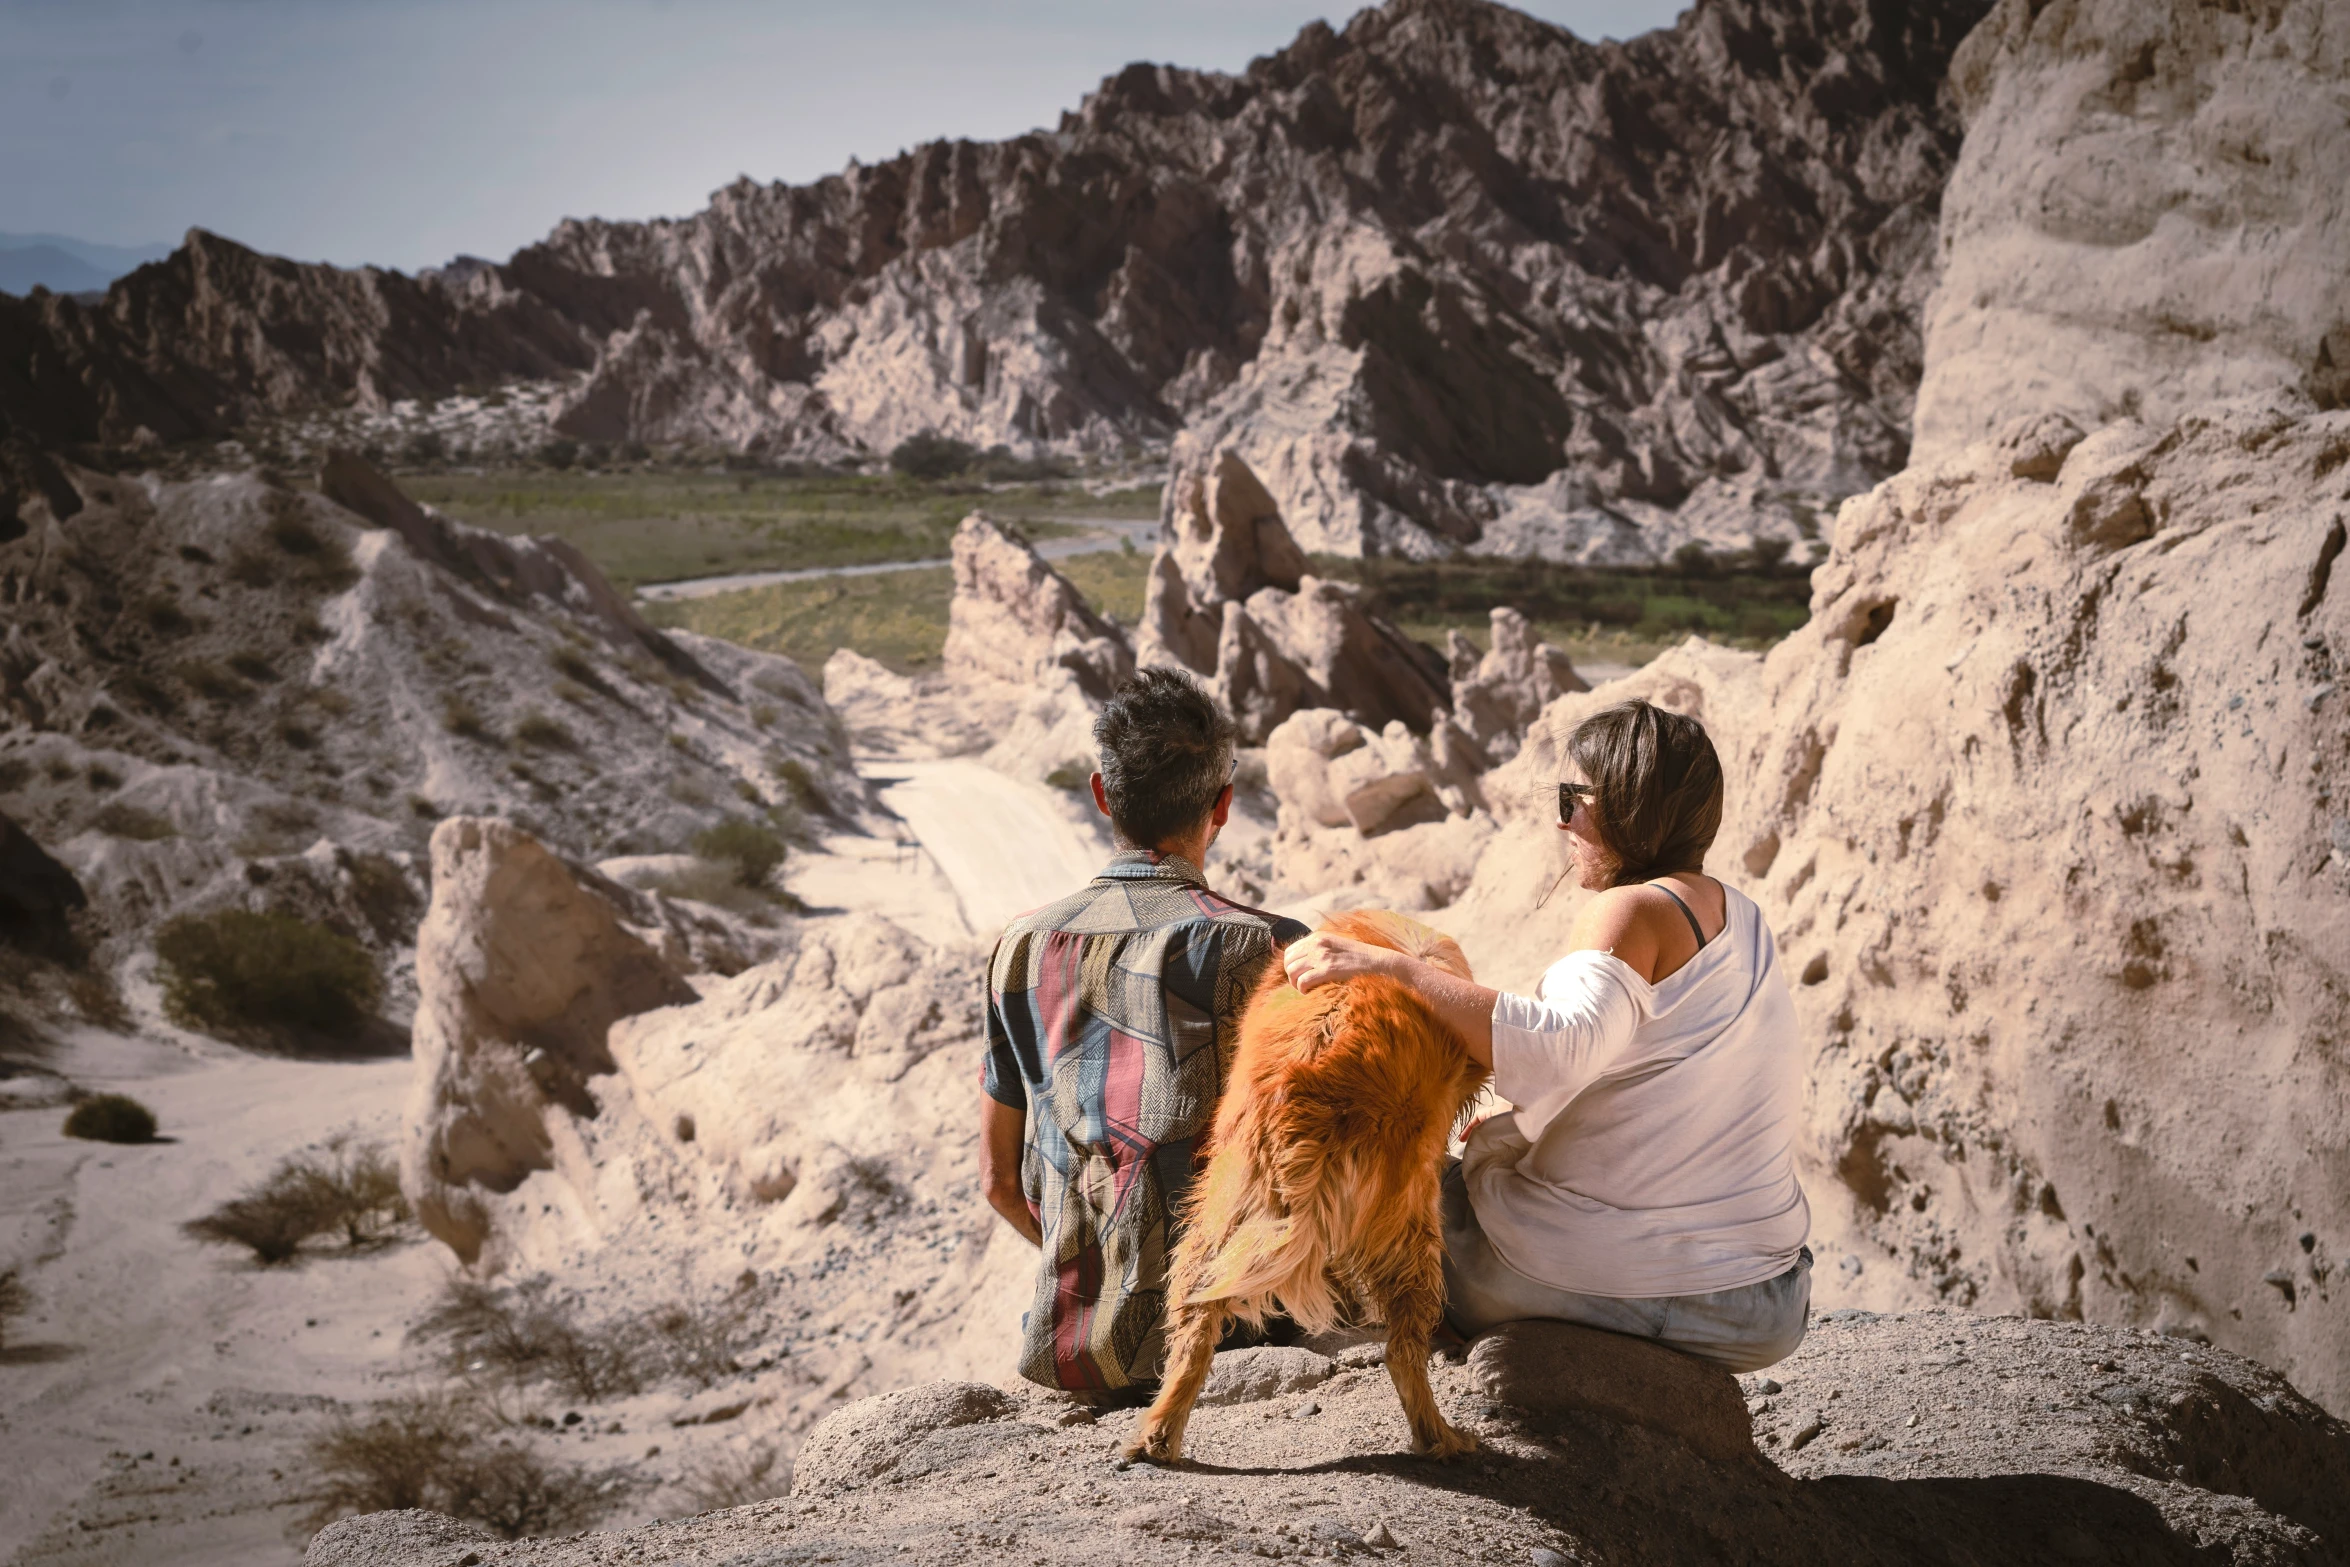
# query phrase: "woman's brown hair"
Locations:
[[1656, 788]]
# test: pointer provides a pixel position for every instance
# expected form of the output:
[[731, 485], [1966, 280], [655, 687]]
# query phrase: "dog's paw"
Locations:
[[1154, 1447], [1450, 1442]]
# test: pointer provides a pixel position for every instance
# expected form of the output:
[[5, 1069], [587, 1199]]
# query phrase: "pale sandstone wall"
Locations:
[[2149, 212]]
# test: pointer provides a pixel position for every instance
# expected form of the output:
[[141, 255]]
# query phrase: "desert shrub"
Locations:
[[529, 1333], [111, 1118], [574, 693], [330, 701], [931, 455], [98, 999], [462, 718], [732, 1479], [271, 1221], [1072, 776], [345, 1184], [1769, 554], [434, 1451], [794, 775], [119, 820], [572, 664], [756, 852], [703, 1342], [148, 695], [544, 732], [15, 1300], [102, 777], [559, 453], [253, 667], [290, 531], [239, 969], [297, 734], [355, 1183], [764, 714], [164, 616], [382, 891], [425, 446], [423, 809], [211, 682], [1694, 560]]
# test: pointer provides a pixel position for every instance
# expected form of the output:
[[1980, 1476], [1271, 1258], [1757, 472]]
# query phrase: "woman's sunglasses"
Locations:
[[1570, 795]]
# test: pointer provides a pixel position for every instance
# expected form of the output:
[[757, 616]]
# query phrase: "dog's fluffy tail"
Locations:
[[1255, 1259]]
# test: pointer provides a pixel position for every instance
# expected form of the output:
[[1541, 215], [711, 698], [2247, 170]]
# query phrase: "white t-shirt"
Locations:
[[1652, 1150]]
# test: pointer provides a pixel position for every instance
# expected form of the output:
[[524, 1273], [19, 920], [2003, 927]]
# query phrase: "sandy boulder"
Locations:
[[1556, 1366], [2148, 214], [520, 972]]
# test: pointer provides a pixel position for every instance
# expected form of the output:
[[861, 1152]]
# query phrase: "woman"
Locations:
[[1645, 1183]]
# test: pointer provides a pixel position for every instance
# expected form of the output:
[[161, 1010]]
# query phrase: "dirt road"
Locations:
[[1005, 846]]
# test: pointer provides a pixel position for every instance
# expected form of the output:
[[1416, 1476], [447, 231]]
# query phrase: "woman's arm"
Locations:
[[1465, 1006], [1613, 922]]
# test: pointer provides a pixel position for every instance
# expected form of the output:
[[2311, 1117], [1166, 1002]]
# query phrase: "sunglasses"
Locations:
[[1571, 795]]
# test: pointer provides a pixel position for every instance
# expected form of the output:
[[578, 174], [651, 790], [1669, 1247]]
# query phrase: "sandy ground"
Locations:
[[153, 1403], [140, 1400]]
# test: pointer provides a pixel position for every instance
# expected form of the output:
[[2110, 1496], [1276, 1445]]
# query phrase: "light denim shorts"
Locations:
[[1744, 1329]]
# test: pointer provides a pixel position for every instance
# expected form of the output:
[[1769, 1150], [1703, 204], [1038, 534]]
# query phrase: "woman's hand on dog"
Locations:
[[1322, 959]]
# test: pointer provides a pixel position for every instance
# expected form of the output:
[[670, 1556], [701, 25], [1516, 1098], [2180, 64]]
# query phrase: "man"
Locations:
[[1112, 1017]]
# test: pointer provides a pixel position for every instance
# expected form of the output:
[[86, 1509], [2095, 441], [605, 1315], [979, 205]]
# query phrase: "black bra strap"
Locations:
[[1695, 929]]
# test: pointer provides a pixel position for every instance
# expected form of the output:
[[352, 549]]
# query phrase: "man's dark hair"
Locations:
[[1166, 754], [1656, 788]]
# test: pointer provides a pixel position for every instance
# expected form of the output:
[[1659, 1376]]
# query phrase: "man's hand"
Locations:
[[1321, 959], [1002, 1139]]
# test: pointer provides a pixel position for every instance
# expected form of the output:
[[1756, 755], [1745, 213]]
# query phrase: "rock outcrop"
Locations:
[[1497, 695], [521, 973], [2148, 215], [38, 897], [1229, 598], [1931, 1436], [1449, 278], [2043, 807], [1014, 619]]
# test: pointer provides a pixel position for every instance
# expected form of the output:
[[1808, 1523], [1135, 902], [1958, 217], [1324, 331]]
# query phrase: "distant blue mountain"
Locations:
[[66, 265]]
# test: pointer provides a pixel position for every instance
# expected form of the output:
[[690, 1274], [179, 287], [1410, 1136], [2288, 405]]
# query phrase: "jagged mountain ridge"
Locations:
[[1448, 278]]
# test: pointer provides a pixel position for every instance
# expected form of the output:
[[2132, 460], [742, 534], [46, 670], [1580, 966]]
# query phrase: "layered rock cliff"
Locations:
[[1449, 278]]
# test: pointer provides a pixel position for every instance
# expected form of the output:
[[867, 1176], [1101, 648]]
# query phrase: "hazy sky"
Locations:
[[403, 132]]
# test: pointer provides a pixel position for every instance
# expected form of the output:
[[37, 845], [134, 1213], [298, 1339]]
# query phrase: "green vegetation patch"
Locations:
[[1624, 615], [657, 526], [239, 970], [896, 617]]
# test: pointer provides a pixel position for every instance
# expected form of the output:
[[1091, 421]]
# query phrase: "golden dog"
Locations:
[[1324, 1177]]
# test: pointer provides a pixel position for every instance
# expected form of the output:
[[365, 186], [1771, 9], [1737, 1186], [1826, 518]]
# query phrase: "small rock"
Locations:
[[1379, 1536], [1544, 1556], [1763, 1387], [1805, 1432], [2317, 694], [1306, 1410], [1873, 1443], [1911, 1421]]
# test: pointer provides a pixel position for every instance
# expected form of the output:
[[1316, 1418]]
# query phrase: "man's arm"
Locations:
[[1002, 1138]]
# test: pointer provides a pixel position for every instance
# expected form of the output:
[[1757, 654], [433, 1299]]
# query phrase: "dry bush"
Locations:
[[703, 1342], [463, 719], [119, 820], [346, 1185], [15, 1301], [271, 1222], [439, 1453], [111, 1118], [755, 851], [386, 899], [732, 1479], [236, 969], [529, 1333], [356, 1183], [540, 730], [98, 999]]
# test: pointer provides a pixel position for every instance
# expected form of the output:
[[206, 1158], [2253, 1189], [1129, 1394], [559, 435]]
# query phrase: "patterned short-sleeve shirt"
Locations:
[[1112, 1017]]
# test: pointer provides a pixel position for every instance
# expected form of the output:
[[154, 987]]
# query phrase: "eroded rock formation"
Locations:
[[1229, 597], [1449, 278], [2148, 214], [2043, 806], [1014, 618]]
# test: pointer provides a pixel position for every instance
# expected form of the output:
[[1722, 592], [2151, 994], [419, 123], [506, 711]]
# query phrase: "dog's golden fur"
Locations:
[[1324, 1177]]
